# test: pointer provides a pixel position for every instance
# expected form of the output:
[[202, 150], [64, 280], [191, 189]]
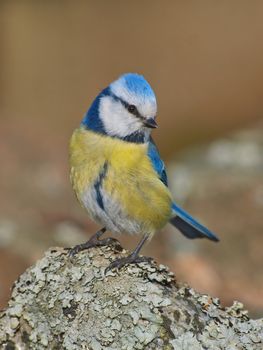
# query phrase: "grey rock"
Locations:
[[63, 303]]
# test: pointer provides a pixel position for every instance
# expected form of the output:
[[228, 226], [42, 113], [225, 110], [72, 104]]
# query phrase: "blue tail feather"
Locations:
[[189, 226]]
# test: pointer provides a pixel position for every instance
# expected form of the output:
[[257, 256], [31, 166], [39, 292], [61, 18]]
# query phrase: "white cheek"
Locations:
[[116, 119]]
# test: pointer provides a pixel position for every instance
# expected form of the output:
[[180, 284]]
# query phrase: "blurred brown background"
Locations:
[[205, 62]]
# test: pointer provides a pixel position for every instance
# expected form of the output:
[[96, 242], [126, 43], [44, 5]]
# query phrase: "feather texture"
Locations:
[[157, 162], [189, 226], [116, 169], [132, 197]]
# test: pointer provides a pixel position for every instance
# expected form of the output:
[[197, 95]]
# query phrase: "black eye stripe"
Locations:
[[130, 108], [133, 110], [136, 113]]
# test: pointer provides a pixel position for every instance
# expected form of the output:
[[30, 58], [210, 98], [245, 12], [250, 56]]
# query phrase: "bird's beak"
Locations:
[[150, 123]]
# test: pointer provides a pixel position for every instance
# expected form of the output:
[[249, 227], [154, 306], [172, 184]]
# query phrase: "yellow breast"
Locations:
[[130, 179]]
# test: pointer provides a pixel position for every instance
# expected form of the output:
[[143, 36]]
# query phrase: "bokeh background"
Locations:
[[205, 62]]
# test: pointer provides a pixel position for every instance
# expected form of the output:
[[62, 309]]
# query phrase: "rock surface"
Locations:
[[62, 303]]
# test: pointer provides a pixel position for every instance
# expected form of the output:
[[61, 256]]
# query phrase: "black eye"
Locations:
[[132, 108]]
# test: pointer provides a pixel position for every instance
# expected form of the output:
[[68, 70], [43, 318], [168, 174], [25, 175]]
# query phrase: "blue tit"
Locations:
[[116, 170]]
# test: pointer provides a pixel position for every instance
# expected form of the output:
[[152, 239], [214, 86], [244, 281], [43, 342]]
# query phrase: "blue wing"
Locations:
[[189, 226], [157, 162], [181, 220]]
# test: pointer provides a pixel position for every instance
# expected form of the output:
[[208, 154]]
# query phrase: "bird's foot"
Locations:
[[93, 242], [130, 259]]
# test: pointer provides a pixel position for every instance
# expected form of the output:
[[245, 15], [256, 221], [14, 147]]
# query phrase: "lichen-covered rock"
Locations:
[[71, 304]]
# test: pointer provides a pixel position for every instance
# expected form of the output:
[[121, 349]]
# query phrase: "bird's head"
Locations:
[[126, 109]]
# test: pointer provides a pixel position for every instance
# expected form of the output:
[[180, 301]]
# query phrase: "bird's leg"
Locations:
[[133, 258], [94, 241]]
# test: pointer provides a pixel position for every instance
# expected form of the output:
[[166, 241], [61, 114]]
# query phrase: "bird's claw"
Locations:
[[130, 259], [93, 243]]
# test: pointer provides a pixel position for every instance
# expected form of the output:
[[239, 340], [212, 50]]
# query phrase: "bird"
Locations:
[[117, 173]]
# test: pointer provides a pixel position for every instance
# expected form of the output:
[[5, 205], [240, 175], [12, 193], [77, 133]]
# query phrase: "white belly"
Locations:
[[109, 214]]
